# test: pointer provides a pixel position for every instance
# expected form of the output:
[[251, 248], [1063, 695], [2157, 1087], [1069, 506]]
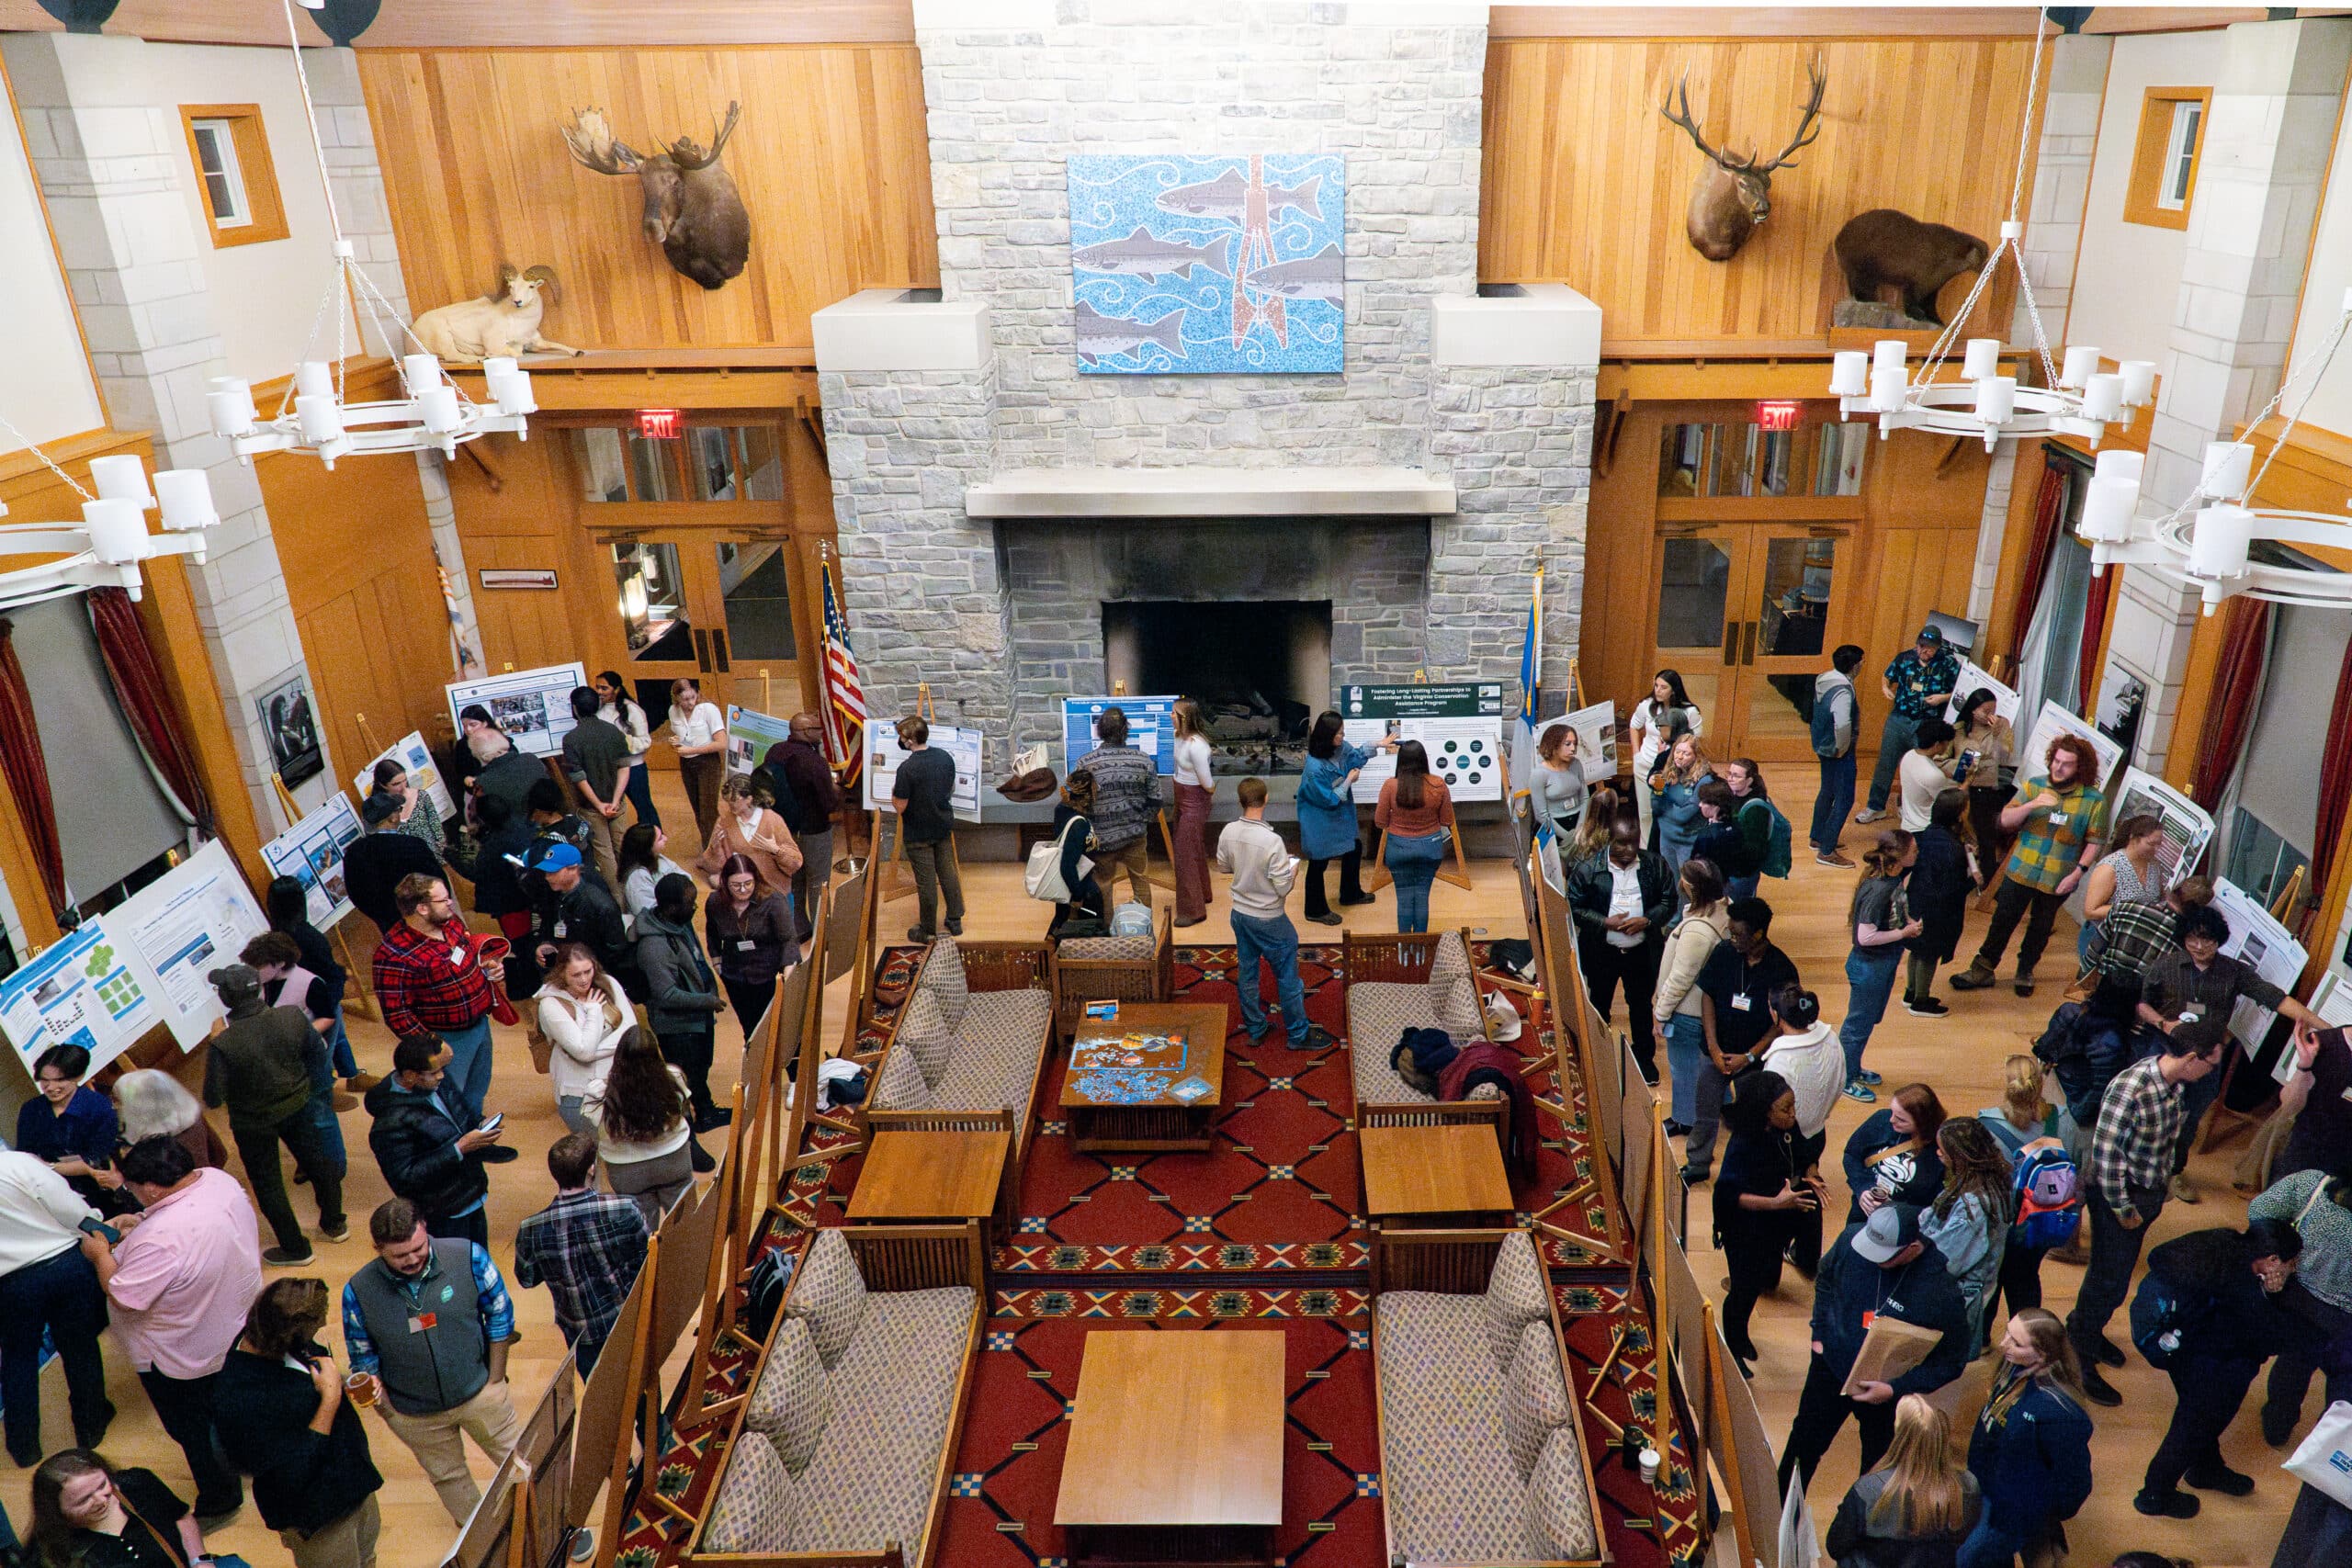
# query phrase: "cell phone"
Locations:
[[99, 1227], [492, 1123]]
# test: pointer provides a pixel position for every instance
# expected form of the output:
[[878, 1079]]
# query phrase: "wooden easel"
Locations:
[[899, 877], [1460, 874], [645, 1383], [366, 1000]]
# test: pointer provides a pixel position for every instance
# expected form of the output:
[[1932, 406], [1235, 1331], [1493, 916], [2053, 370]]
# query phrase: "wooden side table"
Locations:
[[1435, 1176], [1156, 1124], [912, 1177]]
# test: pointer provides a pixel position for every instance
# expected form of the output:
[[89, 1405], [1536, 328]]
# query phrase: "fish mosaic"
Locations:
[[1190, 265]]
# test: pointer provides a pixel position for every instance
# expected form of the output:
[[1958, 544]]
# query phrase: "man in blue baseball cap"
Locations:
[[579, 908]]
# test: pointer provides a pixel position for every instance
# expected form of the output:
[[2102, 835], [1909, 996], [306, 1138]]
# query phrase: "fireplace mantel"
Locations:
[[1117, 495]]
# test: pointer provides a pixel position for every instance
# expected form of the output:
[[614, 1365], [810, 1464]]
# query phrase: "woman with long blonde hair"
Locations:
[[1593, 829], [1916, 1509], [2031, 1449], [1674, 797], [2023, 1123]]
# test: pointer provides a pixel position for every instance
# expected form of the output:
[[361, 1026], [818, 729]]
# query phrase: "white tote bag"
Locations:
[[2324, 1459], [1042, 879]]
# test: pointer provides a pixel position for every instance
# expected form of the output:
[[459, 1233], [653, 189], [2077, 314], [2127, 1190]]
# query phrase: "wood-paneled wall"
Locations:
[[832, 156], [1584, 183]]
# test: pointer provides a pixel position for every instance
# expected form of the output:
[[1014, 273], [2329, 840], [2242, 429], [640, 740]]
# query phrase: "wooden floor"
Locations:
[[1961, 1056]]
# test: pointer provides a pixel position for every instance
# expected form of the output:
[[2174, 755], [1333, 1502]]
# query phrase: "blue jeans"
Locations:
[[1686, 1048], [469, 1062], [1276, 942], [345, 1064], [1873, 983], [1413, 859], [638, 793], [1834, 804], [1741, 887]]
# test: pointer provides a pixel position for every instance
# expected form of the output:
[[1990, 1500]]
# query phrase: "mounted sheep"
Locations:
[[692, 208], [505, 321]]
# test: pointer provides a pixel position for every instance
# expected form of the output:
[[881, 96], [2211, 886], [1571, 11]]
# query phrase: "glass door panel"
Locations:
[[1697, 622], [654, 614], [1797, 605]]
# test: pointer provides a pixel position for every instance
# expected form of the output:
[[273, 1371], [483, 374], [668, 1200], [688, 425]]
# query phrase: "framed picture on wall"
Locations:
[[293, 731]]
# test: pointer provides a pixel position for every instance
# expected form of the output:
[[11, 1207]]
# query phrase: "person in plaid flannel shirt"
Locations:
[[2060, 817], [586, 1248], [432, 978]]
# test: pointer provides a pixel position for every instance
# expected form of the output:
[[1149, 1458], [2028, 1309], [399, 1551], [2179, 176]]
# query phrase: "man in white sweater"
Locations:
[[1262, 870]]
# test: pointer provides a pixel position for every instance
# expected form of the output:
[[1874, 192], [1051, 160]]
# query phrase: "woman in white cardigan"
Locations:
[[1675, 1004], [583, 1013]]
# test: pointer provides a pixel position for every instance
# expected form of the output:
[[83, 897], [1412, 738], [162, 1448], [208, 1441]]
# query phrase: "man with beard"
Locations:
[[2060, 818]]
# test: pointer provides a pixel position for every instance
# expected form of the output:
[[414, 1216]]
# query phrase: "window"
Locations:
[[708, 462], [2163, 160], [237, 184], [1748, 460], [2259, 860], [2269, 817]]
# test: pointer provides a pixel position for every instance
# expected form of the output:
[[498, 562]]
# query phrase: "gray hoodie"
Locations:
[[681, 993], [1837, 690]]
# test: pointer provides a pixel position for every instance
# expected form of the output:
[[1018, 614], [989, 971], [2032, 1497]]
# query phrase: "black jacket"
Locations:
[[1938, 893], [373, 867], [1921, 1292], [588, 914], [498, 881], [2226, 1314], [1590, 887], [510, 778], [1918, 1186], [2085, 1049], [415, 1138], [681, 991], [302, 1481]]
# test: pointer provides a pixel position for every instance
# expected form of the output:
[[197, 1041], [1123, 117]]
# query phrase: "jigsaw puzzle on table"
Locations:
[[1125, 1069]]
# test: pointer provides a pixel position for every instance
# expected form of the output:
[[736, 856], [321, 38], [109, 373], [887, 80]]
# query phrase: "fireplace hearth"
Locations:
[[1259, 669]]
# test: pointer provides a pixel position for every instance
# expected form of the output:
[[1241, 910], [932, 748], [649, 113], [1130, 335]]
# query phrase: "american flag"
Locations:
[[844, 694]]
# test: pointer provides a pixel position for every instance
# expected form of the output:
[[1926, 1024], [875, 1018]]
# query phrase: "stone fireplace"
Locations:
[[1013, 532]]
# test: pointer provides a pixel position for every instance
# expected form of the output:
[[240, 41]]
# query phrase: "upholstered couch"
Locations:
[[1395, 983], [1113, 968], [840, 1454], [1481, 1439]]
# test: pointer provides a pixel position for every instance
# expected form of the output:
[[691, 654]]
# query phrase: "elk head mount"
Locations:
[[692, 208], [1735, 195]]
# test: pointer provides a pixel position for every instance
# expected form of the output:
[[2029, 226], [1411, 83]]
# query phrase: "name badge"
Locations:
[[560, 929], [423, 1321], [2348, 1096], [1740, 1002], [458, 955], [745, 945], [2057, 820]]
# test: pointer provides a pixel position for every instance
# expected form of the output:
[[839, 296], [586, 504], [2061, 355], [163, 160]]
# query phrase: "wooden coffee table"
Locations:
[[1162, 1123], [1434, 1176], [924, 1176], [1175, 1451]]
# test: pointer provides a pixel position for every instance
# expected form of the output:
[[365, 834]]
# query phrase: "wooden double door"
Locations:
[[1749, 613], [720, 605]]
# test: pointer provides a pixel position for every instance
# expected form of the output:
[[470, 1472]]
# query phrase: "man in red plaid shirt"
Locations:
[[430, 978]]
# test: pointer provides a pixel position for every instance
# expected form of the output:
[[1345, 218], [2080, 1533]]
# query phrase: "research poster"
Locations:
[[883, 755], [750, 733], [534, 706], [423, 773], [196, 917], [311, 852], [2260, 943], [92, 988], [1460, 726], [1973, 679], [2188, 830], [2053, 721], [1152, 729]]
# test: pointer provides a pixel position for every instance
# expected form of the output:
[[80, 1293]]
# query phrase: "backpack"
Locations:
[[1778, 846], [1824, 720], [2048, 1190], [1042, 876], [763, 1291], [2159, 1317]]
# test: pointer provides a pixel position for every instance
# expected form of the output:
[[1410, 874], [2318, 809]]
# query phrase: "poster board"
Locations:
[[2048, 726], [92, 988], [883, 755], [311, 852], [2260, 943], [1152, 729], [534, 706], [2188, 828], [193, 918], [749, 733], [411, 754], [1460, 724], [1974, 678]]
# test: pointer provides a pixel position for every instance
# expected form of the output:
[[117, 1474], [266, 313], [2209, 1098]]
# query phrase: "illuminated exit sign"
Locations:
[[663, 424], [1777, 414]]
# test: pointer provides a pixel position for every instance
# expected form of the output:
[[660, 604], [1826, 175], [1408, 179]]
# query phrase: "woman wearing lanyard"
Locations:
[[698, 735], [616, 709], [1759, 1195], [1656, 720], [1674, 799], [750, 828], [1987, 748], [1326, 815], [749, 934], [1195, 789], [1880, 920], [2031, 1449], [1557, 786], [88, 1515], [74, 1128]]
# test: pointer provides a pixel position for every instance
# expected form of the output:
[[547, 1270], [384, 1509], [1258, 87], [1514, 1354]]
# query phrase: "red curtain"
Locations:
[[146, 703], [21, 760], [2049, 506], [2095, 613], [2229, 713], [2335, 784]]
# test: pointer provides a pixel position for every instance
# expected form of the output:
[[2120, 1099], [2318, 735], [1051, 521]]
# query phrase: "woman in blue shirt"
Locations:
[[1674, 800], [73, 1129], [1326, 816]]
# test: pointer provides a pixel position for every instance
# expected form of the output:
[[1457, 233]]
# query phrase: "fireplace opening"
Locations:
[[1259, 669]]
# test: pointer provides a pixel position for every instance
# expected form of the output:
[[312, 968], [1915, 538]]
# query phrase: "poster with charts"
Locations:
[[311, 852], [1460, 726], [196, 917], [1152, 729], [411, 754], [2188, 830], [90, 988], [2260, 943], [534, 706], [749, 733], [1973, 679], [884, 754]]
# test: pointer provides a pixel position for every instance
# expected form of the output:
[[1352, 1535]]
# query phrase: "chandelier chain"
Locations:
[[2025, 120], [46, 461]]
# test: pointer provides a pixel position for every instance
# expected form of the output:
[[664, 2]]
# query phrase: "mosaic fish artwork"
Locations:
[[1208, 266]]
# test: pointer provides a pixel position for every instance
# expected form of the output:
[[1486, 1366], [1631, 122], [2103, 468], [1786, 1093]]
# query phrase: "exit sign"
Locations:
[[1775, 415], [663, 424]]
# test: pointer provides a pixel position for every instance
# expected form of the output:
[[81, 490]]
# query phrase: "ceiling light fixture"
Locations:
[[104, 548], [2074, 397], [434, 415], [2207, 542]]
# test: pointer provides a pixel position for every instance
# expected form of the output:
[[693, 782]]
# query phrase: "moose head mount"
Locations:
[[1735, 195], [692, 208]]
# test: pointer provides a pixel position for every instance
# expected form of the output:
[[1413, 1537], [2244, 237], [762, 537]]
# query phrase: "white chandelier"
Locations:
[[314, 416], [2207, 542], [2073, 398], [104, 548]]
